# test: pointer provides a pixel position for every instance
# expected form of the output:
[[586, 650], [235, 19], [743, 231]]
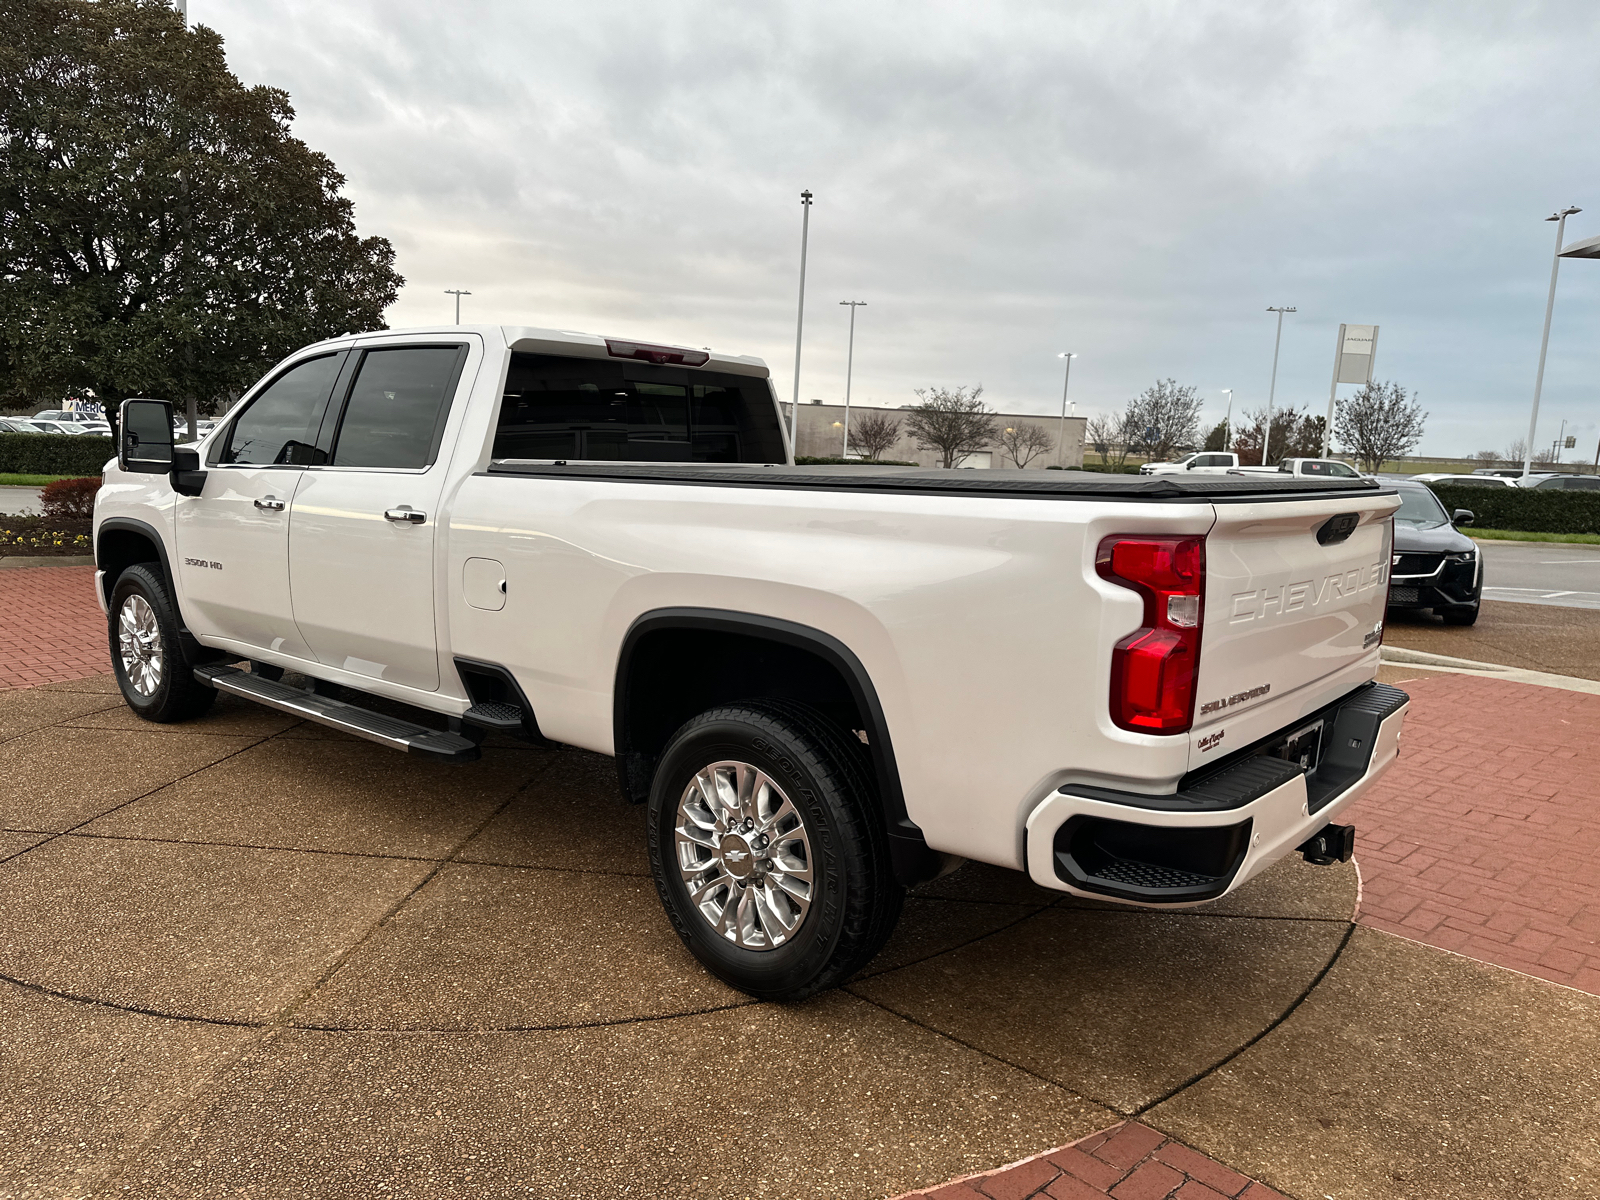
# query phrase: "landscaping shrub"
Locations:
[[69, 498], [53, 453], [1531, 510]]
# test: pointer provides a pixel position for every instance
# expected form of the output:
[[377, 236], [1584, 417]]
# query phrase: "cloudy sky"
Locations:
[[1135, 182]]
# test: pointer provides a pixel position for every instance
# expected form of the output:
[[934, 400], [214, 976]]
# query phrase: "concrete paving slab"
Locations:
[[205, 931], [512, 948], [1562, 641], [15, 843], [829, 1098], [933, 925], [1411, 1074], [26, 709], [981, 882], [1292, 888], [354, 797], [54, 778], [84, 1084], [97, 685], [1121, 1007], [229, 715], [572, 817]]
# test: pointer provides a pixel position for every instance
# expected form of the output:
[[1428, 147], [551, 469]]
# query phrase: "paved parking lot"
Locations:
[[1567, 576], [246, 956]]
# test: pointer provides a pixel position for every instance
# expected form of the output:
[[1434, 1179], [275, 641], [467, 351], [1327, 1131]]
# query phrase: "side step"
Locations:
[[336, 714]]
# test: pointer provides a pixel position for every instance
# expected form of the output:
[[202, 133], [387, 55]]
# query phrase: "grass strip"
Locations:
[[9, 480], [1514, 535]]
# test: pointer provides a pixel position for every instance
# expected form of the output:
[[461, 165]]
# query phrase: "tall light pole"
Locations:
[[800, 319], [1227, 421], [1272, 391], [457, 293], [1061, 438], [1560, 218], [849, 366]]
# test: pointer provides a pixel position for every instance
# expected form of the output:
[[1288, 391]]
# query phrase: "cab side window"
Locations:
[[397, 408], [276, 429]]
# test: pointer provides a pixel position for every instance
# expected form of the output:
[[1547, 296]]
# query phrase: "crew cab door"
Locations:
[[233, 538], [361, 529]]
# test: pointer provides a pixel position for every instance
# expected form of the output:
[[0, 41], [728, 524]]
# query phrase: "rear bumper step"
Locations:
[[388, 731]]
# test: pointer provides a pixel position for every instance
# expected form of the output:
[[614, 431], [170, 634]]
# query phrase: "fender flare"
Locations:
[[913, 860]]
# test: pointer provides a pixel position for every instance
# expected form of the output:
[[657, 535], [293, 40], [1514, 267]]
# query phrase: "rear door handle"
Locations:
[[270, 503], [404, 515]]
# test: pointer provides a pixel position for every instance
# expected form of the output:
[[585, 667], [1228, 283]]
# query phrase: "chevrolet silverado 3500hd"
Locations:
[[827, 684]]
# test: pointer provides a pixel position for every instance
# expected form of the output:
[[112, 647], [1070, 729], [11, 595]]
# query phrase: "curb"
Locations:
[[17, 562], [1466, 666]]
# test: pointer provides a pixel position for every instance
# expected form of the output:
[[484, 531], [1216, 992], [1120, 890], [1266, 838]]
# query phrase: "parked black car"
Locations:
[[1434, 564]]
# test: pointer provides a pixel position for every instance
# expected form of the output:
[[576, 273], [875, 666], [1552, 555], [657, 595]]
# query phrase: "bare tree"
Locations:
[[952, 421], [1111, 435], [1545, 457], [1164, 417], [1378, 423], [1486, 458], [874, 432], [1024, 443], [1516, 453]]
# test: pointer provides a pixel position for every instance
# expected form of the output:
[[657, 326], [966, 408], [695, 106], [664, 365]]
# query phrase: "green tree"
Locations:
[[161, 230], [1217, 439]]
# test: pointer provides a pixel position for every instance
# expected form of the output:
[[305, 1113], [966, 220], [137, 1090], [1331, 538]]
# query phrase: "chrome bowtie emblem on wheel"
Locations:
[[744, 855]]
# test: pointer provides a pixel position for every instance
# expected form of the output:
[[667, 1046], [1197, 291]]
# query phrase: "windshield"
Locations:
[[1420, 508]]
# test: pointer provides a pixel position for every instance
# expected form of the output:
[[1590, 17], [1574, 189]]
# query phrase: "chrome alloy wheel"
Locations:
[[744, 855], [139, 645]]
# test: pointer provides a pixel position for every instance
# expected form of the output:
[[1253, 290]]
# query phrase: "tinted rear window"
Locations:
[[585, 409]]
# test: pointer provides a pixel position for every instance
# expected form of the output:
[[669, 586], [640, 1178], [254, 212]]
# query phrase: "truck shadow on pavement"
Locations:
[[249, 955]]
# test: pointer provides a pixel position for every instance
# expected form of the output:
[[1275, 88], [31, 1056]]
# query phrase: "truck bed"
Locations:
[[1041, 485]]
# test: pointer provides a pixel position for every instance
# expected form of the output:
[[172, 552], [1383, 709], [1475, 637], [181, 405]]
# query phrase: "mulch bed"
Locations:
[[34, 537]]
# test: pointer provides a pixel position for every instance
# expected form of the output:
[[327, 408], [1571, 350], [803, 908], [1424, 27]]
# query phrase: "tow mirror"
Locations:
[[145, 444], [1462, 516]]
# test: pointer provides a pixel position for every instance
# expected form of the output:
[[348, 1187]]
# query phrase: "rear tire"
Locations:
[[155, 677], [1465, 614], [768, 853]]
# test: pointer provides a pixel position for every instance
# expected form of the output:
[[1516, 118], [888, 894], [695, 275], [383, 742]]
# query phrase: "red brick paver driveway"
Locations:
[[1130, 1161], [1484, 838], [51, 626]]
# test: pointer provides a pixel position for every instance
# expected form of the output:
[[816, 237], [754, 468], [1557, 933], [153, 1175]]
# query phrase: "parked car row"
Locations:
[[1544, 480], [44, 425]]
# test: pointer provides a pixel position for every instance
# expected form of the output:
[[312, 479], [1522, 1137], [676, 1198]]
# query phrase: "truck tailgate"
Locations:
[[1295, 597]]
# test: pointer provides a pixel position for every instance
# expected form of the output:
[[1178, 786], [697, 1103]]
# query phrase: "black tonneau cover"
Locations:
[[1042, 485]]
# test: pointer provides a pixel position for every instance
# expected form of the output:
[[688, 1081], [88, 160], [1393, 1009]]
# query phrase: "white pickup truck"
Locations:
[[1202, 462], [828, 684], [1323, 468]]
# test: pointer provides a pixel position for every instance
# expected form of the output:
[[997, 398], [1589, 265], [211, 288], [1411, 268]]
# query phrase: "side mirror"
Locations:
[[1462, 516], [145, 445], [1190, 466]]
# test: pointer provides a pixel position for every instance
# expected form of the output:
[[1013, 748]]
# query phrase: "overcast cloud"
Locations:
[[1135, 182]]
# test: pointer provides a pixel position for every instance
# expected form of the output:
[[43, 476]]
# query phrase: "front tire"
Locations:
[[767, 852], [156, 679]]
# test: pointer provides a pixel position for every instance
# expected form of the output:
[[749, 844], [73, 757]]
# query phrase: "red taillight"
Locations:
[[1153, 668], [660, 355]]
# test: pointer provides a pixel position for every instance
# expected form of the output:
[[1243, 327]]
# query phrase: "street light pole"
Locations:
[[1272, 390], [1227, 421], [800, 318], [1061, 437], [849, 367], [1560, 218], [457, 293]]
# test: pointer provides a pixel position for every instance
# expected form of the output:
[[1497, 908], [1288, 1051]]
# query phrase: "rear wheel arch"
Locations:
[[676, 663]]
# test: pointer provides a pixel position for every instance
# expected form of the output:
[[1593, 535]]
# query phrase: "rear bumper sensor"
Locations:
[[1220, 828], [336, 714]]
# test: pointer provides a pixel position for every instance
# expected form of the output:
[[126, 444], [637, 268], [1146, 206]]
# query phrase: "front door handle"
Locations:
[[270, 503], [404, 515]]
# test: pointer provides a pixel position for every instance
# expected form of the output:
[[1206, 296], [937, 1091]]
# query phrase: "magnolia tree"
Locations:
[[1378, 423]]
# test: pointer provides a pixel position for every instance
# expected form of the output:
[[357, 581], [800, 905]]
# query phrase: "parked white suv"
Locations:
[[827, 684]]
